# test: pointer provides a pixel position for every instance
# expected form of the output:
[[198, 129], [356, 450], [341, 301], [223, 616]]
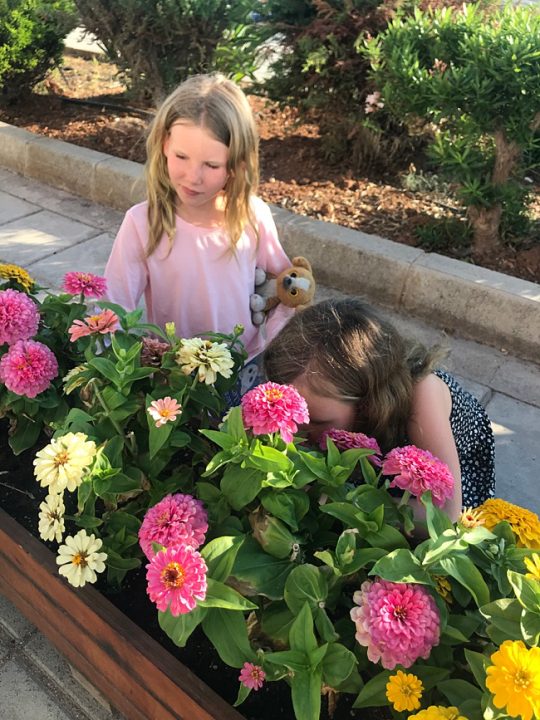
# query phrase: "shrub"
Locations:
[[159, 44], [31, 41], [476, 80]]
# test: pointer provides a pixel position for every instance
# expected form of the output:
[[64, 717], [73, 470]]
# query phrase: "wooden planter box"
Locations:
[[100, 641]]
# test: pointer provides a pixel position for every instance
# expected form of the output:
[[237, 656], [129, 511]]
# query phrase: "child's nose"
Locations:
[[195, 173]]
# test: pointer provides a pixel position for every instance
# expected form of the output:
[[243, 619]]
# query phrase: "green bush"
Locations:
[[157, 44], [475, 80], [31, 41]]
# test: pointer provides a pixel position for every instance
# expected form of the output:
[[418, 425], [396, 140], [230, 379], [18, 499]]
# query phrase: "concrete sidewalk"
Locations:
[[49, 232]]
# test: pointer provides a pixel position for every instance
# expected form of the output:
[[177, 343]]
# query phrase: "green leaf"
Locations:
[[25, 436], [306, 694], [401, 566], [240, 485], [373, 694], [478, 664], [220, 438], [437, 520], [462, 569], [262, 573], [180, 628], [276, 621], [458, 691], [289, 505], [106, 368], [530, 628], [306, 583], [220, 554], [338, 664], [294, 660], [227, 631], [220, 595], [301, 635], [268, 459], [505, 615], [243, 694], [527, 591]]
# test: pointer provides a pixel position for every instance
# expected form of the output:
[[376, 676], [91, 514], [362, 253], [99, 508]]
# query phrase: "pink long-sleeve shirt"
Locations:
[[200, 285]]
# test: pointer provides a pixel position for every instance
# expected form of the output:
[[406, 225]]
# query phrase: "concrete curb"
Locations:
[[474, 302]]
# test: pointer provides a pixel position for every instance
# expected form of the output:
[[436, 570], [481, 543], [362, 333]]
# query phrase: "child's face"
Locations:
[[325, 412], [197, 166]]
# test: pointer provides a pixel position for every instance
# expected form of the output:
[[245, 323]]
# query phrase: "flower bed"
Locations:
[[298, 565]]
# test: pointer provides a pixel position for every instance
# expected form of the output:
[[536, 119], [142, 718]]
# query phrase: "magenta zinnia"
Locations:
[[345, 440], [19, 317], [397, 622], [28, 368], [81, 283], [271, 408], [417, 471], [104, 322], [175, 520], [252, 676], [176, 579]]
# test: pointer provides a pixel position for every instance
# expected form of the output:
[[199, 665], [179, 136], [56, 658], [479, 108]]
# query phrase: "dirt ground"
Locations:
[[294, 173]]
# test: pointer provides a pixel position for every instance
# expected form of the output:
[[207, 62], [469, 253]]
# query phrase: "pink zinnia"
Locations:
[[176, 579], [272, 407], [105, 322], [28, 368], [164, 410], [397, 622], [417, 471], [345, 440], [81, 283], [19, 317], [175, 520], [252, 676]]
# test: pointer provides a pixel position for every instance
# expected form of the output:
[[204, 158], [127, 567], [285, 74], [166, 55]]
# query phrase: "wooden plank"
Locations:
[[136, 674]]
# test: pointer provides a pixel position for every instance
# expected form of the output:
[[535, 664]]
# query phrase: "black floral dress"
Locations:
[[474, 442]]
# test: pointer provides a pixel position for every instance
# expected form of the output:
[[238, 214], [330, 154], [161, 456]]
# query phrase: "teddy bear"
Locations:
[[294, 287]]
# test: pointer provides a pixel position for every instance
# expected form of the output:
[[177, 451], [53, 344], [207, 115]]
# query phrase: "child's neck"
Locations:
[[207, 216]]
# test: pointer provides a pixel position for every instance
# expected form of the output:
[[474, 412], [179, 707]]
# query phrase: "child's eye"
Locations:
[[180, 157], [211, 165]]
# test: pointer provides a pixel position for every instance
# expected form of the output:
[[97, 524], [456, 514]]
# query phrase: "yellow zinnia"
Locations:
[[438, 712], [404, 691], [533, 566], [471, 518], [514, 679], [524, 523], [17, 274]]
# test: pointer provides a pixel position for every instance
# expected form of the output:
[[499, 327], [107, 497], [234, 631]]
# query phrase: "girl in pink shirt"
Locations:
[[192, 247]]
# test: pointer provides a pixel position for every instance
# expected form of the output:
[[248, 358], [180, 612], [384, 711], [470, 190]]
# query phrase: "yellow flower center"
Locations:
[[61, 458], [165, 413], [273, 394], [173, 576], [79, 559], [93, 318], [522, 679]]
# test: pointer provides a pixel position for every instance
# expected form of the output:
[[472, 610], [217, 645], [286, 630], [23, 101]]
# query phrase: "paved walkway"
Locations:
[[50, 232]]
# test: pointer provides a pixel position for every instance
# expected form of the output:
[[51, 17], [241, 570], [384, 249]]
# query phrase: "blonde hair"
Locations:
[[343, 350], [219, 106]]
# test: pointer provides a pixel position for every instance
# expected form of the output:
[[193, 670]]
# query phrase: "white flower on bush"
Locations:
[[51, 518], [373, 102], [206, 357], [62, 464], [80, 560]]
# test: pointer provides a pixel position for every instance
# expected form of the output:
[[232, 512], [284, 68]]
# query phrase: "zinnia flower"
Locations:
[[443, 587], [271, 407], [514, 679], [28, 368], [252, 676], [417, 470], [80, 283], [152, 351], [175, 520], [51, 518], [176, 579], [18, 275], [63, 463], [533, 566], [471, 518], [397, 622], [524, 523], [207, 358], [164, 410], [438, 712], [345, 440], [404, 691], [19, 317], [104, 322], [80, 559]]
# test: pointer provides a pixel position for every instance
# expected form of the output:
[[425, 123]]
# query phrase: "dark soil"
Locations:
[[294, 172]]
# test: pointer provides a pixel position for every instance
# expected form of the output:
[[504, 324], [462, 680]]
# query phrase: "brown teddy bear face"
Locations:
[[295, 286]]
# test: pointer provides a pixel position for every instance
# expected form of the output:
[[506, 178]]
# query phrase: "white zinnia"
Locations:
[[207, 357], [80, 560], [51, 518], [62, 463]]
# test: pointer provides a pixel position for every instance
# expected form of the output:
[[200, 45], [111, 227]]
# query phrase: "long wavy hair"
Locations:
[[219, 106], [343, 350]]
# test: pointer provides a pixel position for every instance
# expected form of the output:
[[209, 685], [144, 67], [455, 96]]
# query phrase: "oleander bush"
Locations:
[[31, 41]]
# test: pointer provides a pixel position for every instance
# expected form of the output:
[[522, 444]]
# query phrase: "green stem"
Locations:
[[405, 499], [117, 427]]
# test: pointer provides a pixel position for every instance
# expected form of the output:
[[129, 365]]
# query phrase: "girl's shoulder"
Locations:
[[259, 207], [138, 212]]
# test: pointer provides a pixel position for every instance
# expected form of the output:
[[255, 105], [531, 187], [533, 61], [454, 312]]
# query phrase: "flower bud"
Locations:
[[272, 534]]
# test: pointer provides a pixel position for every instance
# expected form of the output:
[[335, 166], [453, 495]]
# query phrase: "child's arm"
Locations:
[[429, 428], [126, 270]]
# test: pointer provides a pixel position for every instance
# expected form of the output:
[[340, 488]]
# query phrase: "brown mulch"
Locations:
[[294, 173]]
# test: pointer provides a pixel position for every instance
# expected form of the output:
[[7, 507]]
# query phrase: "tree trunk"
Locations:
[[486, 221]]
